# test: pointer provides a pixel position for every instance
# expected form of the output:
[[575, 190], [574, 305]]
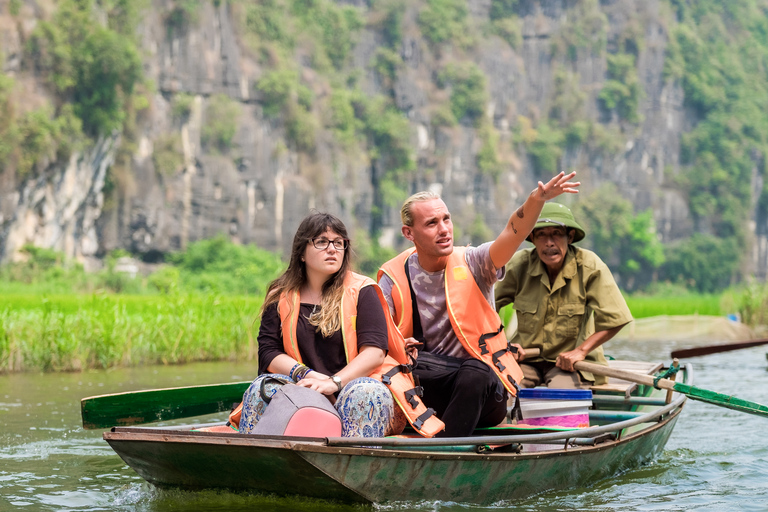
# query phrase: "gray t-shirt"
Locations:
[[429, 288]]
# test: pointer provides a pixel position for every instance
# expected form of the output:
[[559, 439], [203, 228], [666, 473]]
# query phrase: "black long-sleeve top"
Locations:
[[325, 355]]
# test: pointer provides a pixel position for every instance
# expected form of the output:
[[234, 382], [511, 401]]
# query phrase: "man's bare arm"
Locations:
[[522, 221]]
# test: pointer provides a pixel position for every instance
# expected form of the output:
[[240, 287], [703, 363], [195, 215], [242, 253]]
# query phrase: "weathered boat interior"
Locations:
[[628, 424]]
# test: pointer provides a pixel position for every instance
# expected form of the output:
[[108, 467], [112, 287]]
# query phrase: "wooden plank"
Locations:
[[625, 387]]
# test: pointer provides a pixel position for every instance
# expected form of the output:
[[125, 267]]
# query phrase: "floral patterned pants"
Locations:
[[365, 405]]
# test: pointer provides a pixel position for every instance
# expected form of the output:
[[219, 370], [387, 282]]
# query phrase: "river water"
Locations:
[[716, 459]]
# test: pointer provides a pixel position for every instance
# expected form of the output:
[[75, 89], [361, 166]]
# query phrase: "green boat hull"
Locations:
[[485, 480], [353, 474], [502, 464]]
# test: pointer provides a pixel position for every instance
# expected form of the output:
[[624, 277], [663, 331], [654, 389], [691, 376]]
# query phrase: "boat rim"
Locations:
[[395, 442]]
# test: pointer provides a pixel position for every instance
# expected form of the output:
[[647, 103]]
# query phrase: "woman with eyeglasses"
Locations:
[[301, 334]]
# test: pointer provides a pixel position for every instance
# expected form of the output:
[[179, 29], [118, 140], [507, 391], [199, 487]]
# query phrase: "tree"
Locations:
[[625, 241]]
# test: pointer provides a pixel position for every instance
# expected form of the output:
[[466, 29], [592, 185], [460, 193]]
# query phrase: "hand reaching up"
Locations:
[[556, 186]]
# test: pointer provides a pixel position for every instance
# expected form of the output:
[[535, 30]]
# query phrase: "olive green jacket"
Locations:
[[558, 318]]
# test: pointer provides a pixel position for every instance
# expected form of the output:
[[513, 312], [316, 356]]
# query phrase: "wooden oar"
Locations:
[[714, 349], [530, 353], [703, 395], [134, 407]]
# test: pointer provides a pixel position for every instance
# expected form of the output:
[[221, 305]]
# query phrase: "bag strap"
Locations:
[[263, 388], [418, 332]]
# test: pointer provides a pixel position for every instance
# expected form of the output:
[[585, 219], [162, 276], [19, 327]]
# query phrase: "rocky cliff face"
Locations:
[[259, 190]]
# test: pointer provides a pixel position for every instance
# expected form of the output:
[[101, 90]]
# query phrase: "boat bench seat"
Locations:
[[624, 387]]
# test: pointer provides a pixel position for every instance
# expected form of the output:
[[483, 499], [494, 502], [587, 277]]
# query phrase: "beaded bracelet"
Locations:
[[298, 372], [293, 370], [302, 372]]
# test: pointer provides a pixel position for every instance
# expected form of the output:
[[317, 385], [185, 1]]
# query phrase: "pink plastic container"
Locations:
[[563, 408]]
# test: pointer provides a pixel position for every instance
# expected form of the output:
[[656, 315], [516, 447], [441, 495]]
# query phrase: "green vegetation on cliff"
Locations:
[[86, 55], [719, 52], [90, 69]]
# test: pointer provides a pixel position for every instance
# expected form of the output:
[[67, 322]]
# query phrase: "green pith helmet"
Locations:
[[556, 214]]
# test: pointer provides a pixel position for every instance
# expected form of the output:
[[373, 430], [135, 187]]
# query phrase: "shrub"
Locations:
[[621, 91], [568, 99], [181, 106], [626, 241], [220, 124], [586, 28], [107, 67], [94, 66], [545, 148], [368, 255], [300, 128], [268, 20], [219, 266], [184, 12], [501, 9], [392, 23], [276, 89], [167, 155], [443, 116], [487, 160], [342, 119], [445, 20], [702, 262], [386, 62], [468, 95], [509, 29]]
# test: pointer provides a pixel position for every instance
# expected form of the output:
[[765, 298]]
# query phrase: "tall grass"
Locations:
[[71, 333], [202, 305], [644, 306], [689, 304]]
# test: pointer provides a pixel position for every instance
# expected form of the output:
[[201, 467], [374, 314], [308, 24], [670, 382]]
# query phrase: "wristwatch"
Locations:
[[337, 380]]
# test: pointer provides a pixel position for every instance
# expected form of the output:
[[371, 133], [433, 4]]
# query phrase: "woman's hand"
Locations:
[[322, 385]]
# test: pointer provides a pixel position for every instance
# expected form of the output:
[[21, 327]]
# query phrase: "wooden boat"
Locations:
[[630, 424]]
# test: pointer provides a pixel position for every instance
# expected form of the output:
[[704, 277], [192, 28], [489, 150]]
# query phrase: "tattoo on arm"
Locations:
[[520, 212], [512, 225]]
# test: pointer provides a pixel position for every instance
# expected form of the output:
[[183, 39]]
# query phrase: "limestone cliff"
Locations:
[[258, 188]]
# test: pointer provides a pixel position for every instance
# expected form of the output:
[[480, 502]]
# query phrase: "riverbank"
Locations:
[[75, 332], [79, 332]]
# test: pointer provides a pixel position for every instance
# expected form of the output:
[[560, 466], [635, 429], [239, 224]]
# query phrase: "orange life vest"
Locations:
[[393, 373], [475, 323]]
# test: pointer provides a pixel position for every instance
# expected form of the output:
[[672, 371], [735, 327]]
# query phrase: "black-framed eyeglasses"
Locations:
[[322, 243]]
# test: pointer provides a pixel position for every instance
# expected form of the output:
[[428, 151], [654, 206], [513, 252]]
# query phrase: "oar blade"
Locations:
[[722, 400], [148, 406], [716, 349]]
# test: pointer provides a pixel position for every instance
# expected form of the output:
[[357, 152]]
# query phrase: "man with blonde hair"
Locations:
[[441, 298]]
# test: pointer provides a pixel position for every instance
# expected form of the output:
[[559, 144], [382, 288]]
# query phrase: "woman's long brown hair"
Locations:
[[328, 318]]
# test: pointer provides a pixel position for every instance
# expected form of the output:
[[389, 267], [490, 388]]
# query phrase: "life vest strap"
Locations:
[[418, 422], [516, 413], [488, 335], [386, 378], [497, 359], [414, 392]]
